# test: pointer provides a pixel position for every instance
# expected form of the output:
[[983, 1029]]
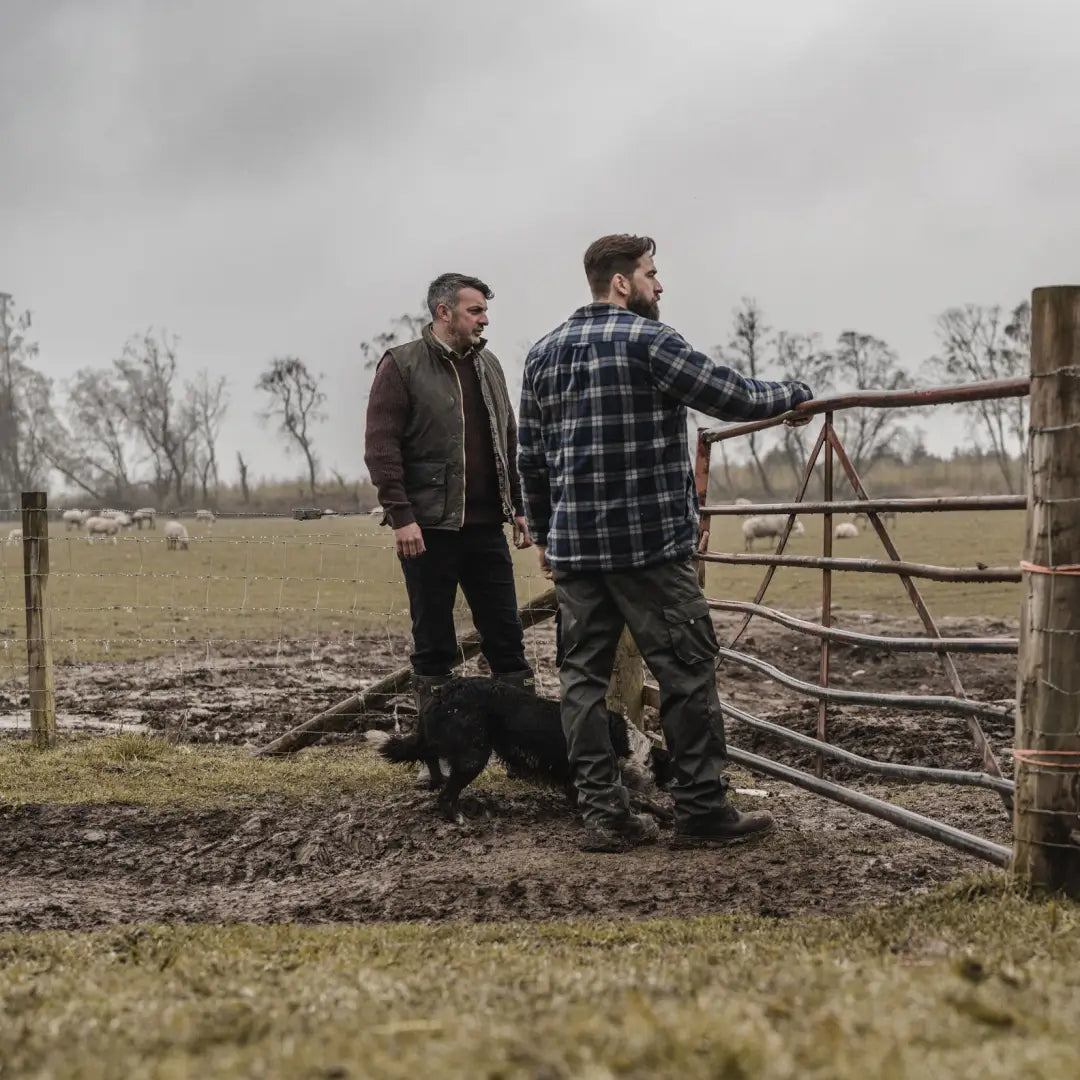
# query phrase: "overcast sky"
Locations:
[[265, 177]]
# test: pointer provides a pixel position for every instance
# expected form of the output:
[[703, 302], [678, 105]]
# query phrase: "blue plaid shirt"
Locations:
[[602, 437]]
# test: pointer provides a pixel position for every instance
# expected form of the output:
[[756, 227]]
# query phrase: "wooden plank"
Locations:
[[344, 715]]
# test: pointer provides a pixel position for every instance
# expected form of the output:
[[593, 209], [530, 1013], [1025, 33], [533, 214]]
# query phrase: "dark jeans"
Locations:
[[668, 617], [477, 558]]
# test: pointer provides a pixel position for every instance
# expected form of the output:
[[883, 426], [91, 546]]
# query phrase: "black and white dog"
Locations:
[[472, 718]]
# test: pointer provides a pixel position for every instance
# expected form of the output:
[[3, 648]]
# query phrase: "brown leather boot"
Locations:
[[722, 827]]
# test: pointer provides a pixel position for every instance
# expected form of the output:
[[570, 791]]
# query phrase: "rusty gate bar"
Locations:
[[914, 702], [826, 589], [808, 474], [881, 399], [916, 773], [981, 848], [982, 744], [852, 637], [865, 506], [702, 464], [868, 566]]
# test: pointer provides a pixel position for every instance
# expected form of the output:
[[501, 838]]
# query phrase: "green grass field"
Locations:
[[272, 578], [972, 982]]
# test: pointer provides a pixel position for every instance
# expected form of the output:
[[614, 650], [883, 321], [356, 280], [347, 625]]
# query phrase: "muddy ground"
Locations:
[[390, 858]]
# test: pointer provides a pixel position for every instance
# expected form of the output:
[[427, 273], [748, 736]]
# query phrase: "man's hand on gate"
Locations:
[[409, 540], [522, 539]]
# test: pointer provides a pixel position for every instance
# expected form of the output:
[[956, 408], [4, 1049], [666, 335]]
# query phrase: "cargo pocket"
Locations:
[[692, 635], [425, 485]]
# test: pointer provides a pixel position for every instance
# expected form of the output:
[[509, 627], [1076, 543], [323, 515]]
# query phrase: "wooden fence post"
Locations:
[[626, 691], [35, 524], [1046, 852]]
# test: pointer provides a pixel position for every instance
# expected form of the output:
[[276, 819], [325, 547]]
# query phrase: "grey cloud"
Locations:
[[269, 177]]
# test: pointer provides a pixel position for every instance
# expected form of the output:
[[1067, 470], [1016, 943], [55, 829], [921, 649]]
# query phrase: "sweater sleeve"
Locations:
[[387, 412]]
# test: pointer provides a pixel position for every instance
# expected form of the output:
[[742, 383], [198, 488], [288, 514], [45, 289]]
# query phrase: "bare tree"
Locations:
[[864, 362], [28, 420], [404, 328], [745, 353], [295, 403], [979, 344], [150, 404], [207, 402], [98, 453], [800, 358]]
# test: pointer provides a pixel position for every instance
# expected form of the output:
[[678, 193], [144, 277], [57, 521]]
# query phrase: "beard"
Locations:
[[647, 309], [463, 339]]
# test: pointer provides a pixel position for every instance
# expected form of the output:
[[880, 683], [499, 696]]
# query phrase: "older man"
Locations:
[[441, 446]]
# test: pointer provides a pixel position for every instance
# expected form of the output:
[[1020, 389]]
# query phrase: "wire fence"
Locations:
[[260, 620]]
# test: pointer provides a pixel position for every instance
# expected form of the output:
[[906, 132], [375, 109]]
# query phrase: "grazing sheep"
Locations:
[[105, 527], [176, 536], [15, 536], [768, 527], [119, 516], [888, 517], [846, 530], [376, 512], [147, 514], [205, 515], [74, 519]]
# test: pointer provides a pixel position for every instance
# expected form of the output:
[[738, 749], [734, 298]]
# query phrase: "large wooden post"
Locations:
[[35, 524], [626, 691], [1046, 852]]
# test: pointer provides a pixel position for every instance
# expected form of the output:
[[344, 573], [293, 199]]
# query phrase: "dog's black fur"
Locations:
[[472, 718]]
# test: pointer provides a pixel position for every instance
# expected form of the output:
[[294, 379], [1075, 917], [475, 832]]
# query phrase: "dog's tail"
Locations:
[[397, 749]]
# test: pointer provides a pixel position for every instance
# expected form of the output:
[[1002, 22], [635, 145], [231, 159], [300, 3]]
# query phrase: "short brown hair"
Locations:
[[615, 254]]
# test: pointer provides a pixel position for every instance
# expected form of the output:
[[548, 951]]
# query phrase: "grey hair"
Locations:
[[446, 287]]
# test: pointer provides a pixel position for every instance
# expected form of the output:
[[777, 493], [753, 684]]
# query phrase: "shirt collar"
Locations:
[[599, 308]]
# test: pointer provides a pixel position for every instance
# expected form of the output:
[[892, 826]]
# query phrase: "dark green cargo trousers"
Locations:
[[668, 617]]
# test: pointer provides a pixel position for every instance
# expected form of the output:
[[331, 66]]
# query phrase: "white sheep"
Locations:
[[74, 519], [888, 517], [376, 512], [119, 516], [105, 527], [767, 527], [846, 530], [15, 536], [147, 514], [205, 515], [176, 536]]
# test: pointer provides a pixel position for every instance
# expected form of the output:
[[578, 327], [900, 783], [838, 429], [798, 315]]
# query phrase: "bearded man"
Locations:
[[612, 506]]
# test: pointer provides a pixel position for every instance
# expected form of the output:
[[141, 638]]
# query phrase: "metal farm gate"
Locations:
[[829, 449]]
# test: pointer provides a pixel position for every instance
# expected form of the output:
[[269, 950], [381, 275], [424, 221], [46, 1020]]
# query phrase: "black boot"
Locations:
[[523, 680], [426, 690]]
